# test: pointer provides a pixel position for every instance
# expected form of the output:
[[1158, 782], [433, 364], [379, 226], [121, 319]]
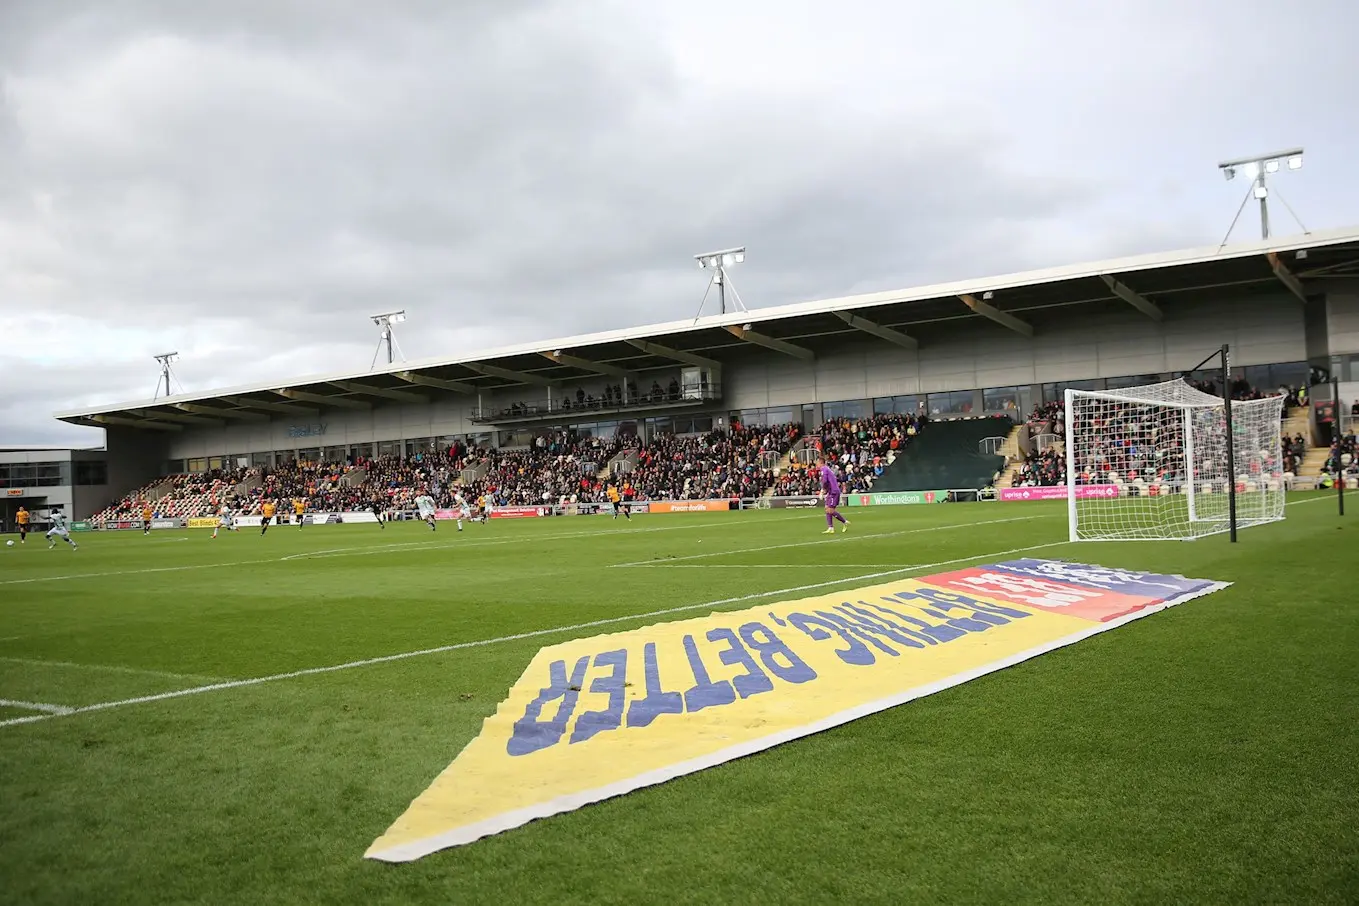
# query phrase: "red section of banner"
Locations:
[[518, 512], [1094, 604]]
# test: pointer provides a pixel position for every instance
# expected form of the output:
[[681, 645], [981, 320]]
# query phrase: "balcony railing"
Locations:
[[575, 409]]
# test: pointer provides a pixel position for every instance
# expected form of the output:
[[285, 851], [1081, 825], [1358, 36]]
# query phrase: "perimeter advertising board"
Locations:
[[1083, 492], [599, 717], [689, 506], [895, 498]]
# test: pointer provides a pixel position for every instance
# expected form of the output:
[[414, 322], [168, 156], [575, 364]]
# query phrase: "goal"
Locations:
[[1150, 463]]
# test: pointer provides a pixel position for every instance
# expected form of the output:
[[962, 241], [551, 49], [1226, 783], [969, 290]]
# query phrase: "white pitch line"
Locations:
[[370, 549], [54, 710], [843, 537], [663, 565], [536, 633], [108, 668]]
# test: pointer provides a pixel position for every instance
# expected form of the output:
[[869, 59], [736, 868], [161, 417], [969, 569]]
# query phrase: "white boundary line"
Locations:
[[54, 710], [396, 547], [843, 537], [664, 565], [536, 633], [107, 668]]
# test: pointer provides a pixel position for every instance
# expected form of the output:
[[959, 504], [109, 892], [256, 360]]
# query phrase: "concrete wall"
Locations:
[[134, 458], [1112, 344], [1070, 344], [1342, 316]]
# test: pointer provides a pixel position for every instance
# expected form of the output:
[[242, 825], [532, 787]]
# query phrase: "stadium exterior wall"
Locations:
[[1342, 319], [1076, 345]]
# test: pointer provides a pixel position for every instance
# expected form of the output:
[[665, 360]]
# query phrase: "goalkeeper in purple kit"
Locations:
[[830, 491]]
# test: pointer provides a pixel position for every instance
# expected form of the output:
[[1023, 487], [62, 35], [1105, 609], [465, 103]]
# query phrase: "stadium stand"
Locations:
[[564, 466], [948, 456]]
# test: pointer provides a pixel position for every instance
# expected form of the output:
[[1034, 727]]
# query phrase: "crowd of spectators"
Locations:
[[721, 464], [860, 449], [1343, 456], [566, 466], [1042, 470]]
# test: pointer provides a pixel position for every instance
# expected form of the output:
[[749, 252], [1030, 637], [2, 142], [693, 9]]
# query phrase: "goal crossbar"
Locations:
[[1152, 463]]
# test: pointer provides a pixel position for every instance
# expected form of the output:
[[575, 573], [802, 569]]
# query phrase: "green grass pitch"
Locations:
[[1206, 754]]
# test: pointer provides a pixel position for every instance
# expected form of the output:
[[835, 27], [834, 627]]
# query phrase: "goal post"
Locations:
[[1153, 463]]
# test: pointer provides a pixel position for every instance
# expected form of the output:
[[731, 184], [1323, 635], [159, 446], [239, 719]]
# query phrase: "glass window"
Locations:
[[845, 409], [1001, 399], [311, 454], [515, 438], [750, 418], [389, 448], [335, 454], [174, 467], [781, 416], [901, 405], [1289, 374], [955, 402], [262, 459], [196, 465]]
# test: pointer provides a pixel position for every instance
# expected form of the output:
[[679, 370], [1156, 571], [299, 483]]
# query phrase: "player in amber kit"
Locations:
[[22, 517], [300, 510], [147, 514], [266, 515], [830, 490], [616, 499]]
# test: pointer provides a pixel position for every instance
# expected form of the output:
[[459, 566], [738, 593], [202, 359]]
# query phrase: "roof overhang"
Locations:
[[901, 317]]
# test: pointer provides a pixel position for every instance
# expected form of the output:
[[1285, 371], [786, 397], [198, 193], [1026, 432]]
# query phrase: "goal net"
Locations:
[[1149, 463]]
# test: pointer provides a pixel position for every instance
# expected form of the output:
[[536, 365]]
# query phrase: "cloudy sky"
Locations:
[[246, 181]]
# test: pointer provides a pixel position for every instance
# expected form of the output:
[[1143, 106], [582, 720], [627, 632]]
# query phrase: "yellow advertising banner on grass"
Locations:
[[598, 717]]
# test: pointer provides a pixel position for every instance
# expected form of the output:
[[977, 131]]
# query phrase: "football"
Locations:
[[9, 543]]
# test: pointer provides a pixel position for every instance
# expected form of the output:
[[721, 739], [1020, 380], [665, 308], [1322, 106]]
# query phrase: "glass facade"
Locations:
[[1015, 400], [850, 409], [955, 402], [898, 405], [1001, 399], [35, 474]]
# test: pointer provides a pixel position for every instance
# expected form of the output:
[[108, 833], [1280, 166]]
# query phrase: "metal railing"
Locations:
[[991, 446], [571, 407]]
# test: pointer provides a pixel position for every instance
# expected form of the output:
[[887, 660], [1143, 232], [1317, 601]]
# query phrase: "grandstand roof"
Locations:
[[1021, 302]]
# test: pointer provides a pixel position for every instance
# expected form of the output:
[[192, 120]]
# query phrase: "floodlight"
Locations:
[[1257, 169], [164, 359], [384, 322], [719, 261], [988, 296]]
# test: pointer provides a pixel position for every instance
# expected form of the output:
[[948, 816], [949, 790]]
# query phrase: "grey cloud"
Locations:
[[256, 177]]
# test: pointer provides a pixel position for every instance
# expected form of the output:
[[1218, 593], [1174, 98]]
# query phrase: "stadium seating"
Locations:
[[744, 462], [946, 457]]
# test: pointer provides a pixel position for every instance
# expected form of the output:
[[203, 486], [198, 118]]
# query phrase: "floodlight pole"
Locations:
[[386, 337], [1260, 166], [165, 358], [1231, 440], [719, 262]]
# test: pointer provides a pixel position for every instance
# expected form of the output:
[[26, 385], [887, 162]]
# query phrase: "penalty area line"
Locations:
[[54, 710], [532, 634]]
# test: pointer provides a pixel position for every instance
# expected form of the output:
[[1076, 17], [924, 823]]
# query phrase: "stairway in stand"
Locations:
[[1309, 470], [1013, 459]]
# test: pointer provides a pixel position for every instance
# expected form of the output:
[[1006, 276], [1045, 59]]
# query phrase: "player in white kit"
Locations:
[[224, 522], [61, 528], [463, 507], [425, 504]]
